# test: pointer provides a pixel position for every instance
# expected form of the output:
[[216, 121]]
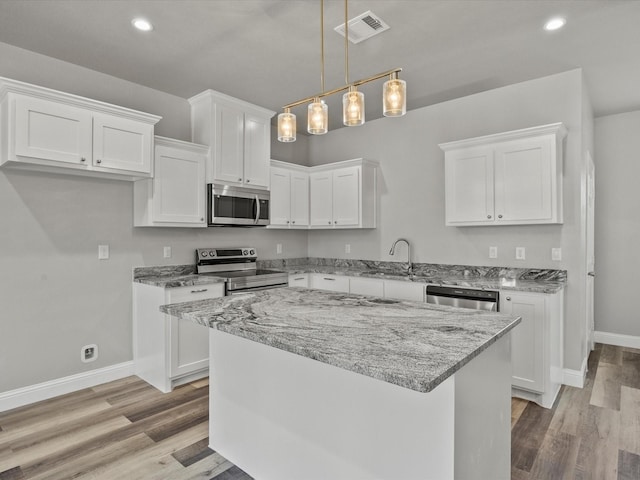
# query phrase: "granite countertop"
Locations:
[[484, 283], [173, 281], [410, 344]]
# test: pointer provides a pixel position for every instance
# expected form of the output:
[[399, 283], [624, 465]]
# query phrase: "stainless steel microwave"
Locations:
[[237, 206]]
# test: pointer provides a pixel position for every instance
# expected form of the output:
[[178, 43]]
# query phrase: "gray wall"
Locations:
[[412, 186], [55, 295], [617, 224]]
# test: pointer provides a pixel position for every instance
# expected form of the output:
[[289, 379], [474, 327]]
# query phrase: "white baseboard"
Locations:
[[60, 386], [575, 378], [618, 339]]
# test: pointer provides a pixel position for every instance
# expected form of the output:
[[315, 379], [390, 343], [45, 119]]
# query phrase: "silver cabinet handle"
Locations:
[[199, 291], [499, 216], [335, 221], [239, 179], [488, 216], [592, 274], [202, 219], [329, 222], [299, 278], [287, 222], [247, 180], [98, 161], [293, 221], [508, 299], [83, 159], [332, 279]]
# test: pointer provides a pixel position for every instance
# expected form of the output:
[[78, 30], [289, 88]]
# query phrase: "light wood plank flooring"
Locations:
[[127, 429]]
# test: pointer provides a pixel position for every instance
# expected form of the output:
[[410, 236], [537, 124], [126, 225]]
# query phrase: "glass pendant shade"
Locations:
[[317, 118], [394, 97], [353, 108], [287, 126]]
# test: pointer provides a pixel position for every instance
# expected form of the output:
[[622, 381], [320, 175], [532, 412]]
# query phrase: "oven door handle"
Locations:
[[257, 210]]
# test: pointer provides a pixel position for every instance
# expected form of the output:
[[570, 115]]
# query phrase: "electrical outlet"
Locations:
[[103, 252], [167, 252], [493, 252], [556, 254], [89, 353], [520, 253], [347, 248], [278, 248]]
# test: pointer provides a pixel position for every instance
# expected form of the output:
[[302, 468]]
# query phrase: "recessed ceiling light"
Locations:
[[555, 23], [142, 24]]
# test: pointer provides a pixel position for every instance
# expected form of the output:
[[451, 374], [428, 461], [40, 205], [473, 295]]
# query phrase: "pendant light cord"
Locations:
[[322, 46], [346, 43]]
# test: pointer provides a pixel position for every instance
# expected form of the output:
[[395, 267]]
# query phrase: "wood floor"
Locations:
[[128, 430]]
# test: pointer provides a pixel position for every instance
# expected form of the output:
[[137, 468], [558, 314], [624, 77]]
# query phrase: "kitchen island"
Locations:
[[313, 384]]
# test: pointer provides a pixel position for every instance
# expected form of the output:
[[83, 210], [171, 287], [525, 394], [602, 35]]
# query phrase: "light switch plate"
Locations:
[[493, 252], [278, 248], [103, 252], [520, 253], [556, 254], [167, 252], [347, 248]]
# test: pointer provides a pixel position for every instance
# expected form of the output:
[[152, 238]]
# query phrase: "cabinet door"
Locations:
[[402, 290], [257, 148], [228, 146], [52, 131], [527, 347], [299, 201], [346, 197], [523, 180], [178, 186], [121, 143], [280, 196], [334, 283], [299, 280], [366, 286], [469, 186], [321, 199], [189, 341]]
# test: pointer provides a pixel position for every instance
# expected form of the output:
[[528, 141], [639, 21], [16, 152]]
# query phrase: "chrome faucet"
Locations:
[[409, 264]]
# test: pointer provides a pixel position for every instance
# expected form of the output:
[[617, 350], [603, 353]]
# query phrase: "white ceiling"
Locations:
[[268, 51]]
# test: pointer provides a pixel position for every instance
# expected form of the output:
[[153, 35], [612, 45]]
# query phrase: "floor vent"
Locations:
[[364, 26]]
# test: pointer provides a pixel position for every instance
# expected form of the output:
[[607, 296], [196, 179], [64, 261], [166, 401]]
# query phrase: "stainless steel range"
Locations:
[[238, 267]]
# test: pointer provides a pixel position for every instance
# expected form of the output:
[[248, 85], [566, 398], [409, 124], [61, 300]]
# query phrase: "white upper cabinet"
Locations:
[[335, 195], [512, 178], [53, 131], [289, 195], [239, 134], [175, 197], [343, 195]]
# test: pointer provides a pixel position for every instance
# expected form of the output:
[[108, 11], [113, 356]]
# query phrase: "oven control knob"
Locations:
[[212, 253], [252, 252], [203, 254], [245, 252]]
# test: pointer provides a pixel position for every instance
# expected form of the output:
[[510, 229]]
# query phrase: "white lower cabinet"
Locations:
[[169, 351], [299, 280], [366, 286], [402, 290], [175, 197], [536, 344], [335, 283]]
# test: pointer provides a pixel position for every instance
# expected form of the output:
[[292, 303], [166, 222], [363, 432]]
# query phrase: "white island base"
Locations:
[[281, 416]]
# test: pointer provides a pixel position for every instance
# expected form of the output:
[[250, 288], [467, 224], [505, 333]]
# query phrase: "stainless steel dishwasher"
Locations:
[[464, 298]]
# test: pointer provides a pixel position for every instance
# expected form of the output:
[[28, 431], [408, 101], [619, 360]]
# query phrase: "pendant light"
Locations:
[[287, 126], [393, 95], [352, 101]]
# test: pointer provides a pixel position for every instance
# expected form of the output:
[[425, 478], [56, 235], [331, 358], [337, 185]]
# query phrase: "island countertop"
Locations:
[[410, 344]]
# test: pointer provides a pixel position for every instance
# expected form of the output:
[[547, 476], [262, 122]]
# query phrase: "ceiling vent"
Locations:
[[364, 26]]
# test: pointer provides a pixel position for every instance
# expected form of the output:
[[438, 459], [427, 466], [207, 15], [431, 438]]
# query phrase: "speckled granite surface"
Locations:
[[172, 276], [494, 278], [410, 344]]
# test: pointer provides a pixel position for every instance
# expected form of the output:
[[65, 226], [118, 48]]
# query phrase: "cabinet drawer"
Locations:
[[336, 283], [194, 292]]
